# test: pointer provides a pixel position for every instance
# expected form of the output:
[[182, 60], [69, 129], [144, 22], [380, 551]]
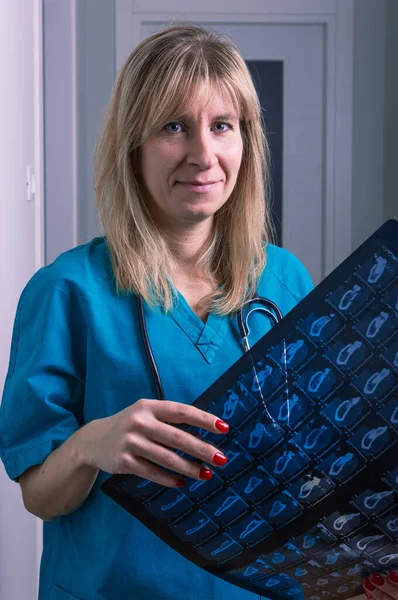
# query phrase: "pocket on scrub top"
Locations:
[[60, 594]]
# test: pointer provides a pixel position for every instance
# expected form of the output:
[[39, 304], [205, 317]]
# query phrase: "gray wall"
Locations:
[[367, 118], [77, 89], [95, 77], [391, 114], [58, 126]]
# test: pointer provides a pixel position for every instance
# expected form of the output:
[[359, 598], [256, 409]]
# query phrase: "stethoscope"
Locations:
[[269, 307]]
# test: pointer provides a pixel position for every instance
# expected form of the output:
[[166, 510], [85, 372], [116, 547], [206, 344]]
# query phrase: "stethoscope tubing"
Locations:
[[148, 350], [269, 307]]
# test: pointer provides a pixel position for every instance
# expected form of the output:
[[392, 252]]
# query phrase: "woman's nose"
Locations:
[[201, 150]]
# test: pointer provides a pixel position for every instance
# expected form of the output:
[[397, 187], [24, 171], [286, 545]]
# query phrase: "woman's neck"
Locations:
[[185, 245], [193, 283]]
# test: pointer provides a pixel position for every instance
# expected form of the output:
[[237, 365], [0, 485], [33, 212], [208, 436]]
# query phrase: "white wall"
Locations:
[[21, 253]]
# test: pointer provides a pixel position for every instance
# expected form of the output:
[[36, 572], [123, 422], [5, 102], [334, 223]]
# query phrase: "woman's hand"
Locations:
[[137, 439], [381, 587]]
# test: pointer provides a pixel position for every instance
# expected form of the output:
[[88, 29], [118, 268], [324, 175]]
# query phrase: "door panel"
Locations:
[[268, 75]]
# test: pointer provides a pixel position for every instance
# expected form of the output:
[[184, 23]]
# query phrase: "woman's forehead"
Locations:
[[214, 100]]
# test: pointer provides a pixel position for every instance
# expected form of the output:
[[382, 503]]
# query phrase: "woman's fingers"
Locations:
[[381, 587], [148, 470], [170, 460], [170, 436], [175, 412], [143, 441], [392, 576], [150, 424]]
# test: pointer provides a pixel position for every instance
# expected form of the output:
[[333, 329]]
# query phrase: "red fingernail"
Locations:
[[222, 426], [393, 576], [377, 579], [180, 483], [367, 594], [368, 585], [220, 459], [205, 473]]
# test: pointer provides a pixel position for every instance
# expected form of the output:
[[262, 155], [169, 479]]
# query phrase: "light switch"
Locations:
[[30, 184]]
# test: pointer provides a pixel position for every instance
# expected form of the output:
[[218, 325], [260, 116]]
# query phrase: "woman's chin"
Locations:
[[197, 216], [200, 210]]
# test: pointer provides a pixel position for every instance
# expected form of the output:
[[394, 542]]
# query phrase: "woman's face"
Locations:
[[189, 167]]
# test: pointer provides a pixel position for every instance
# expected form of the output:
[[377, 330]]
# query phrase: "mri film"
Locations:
[[307, 504]]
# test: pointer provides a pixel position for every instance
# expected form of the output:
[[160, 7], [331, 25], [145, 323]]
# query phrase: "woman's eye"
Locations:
[[225, 126], [177, 127], [173, 127]]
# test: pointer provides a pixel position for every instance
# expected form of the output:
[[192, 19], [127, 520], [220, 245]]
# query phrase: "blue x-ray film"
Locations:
[[307, 504]]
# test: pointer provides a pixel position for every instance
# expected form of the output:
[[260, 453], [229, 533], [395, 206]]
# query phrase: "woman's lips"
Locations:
[[199, 187]]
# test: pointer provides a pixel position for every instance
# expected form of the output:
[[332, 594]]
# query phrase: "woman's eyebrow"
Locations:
[[224, 117]]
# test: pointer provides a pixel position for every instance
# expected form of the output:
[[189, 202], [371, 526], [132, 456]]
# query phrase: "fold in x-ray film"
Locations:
[[307, 504]]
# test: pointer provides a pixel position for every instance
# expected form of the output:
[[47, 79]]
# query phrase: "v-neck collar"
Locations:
[[207, 337]]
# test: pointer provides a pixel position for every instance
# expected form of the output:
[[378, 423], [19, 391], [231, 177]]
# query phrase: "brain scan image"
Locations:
[[307, 504]]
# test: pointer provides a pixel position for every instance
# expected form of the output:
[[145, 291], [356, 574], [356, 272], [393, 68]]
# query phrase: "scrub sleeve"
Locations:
[[46, 375]]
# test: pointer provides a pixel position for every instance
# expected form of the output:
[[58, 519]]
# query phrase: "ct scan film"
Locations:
[[307, 504]]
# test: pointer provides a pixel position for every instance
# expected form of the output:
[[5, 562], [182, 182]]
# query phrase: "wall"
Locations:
[[59, 26], [391, 114], [21, 253], [79, 41], [95, 37], [368, 108]]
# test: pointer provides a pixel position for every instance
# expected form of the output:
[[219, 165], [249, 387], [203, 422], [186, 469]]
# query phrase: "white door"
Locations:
[[301, 50]]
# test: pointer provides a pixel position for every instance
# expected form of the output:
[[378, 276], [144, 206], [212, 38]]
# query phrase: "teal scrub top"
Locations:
[[77, 355]]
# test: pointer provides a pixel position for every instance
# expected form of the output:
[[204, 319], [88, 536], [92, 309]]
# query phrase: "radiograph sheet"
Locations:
[[307, 503]]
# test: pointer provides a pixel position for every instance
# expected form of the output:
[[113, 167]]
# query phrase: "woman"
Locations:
[[179, 177]]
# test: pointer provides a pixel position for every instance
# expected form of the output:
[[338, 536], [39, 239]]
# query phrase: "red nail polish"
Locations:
[[377, 579], [222, 426], [180, 483], [367, 594], [220, 459], [205, 473], [368, 585], [393, 576]]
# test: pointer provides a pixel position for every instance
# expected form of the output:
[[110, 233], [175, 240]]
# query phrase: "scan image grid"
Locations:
[[308, 501]]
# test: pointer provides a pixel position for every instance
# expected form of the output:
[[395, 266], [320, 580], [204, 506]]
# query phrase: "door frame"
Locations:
[[337, 17]]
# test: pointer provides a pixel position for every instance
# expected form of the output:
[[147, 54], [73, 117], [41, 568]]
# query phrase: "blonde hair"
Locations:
[[153, 87]]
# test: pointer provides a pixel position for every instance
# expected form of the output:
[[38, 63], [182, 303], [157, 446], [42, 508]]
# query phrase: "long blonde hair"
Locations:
[[153, 87]]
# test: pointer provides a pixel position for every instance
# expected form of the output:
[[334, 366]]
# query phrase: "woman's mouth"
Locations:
[[198, 186]]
